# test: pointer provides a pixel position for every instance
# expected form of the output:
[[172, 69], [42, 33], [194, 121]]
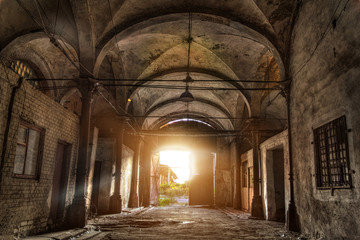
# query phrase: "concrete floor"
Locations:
[[187, 223]]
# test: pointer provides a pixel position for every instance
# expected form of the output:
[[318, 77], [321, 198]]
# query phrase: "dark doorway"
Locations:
[[59, 189], [245, 186], [95, 188], [201, 191], [278, 167]]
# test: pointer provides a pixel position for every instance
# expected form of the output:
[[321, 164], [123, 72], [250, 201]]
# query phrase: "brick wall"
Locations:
[[25, 203]]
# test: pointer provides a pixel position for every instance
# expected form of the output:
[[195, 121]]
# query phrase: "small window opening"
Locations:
[[24, 70], [28, 151], [332, 155]]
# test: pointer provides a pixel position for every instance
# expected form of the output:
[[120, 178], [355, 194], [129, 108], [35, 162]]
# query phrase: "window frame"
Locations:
[[334, 134], [41, 131]]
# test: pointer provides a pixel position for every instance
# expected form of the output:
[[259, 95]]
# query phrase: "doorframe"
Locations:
[[275, 142], [63, 182], [213, 176]]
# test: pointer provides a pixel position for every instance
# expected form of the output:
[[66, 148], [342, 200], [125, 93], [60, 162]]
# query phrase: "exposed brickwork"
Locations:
[[25, 203]]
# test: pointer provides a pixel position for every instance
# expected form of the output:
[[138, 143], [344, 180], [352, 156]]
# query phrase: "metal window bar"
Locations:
[[332, 155]]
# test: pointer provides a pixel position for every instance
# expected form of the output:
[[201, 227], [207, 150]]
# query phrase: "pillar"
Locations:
[[256, 206], [91, 166], [237, 177], [134, 193], [77, 213], [145, 176], [292, 216], [115, 199]]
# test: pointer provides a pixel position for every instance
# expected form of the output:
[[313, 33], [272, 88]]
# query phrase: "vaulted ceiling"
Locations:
[[138, 52]]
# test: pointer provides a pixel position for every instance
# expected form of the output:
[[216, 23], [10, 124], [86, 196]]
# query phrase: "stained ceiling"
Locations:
[[138, 53]]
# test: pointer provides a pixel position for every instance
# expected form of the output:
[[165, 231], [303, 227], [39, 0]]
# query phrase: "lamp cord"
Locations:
[[189, 43]]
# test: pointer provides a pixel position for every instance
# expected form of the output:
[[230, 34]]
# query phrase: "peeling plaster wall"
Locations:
[[325, 58], [155, 180], [279, 141], [25, 203], [223, 174], [105, 154], [126, 173]]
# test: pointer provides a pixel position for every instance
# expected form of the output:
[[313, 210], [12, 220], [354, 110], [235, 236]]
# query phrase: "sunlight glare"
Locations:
[[178, 161]]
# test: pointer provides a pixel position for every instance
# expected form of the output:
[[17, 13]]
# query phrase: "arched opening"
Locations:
[[183, 165], [174, 177], [183, 177]]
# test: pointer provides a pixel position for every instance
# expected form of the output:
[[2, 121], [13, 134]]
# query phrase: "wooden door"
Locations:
[[250, 186], [59, 183], [244, 186], [201, 189], [95, 188]]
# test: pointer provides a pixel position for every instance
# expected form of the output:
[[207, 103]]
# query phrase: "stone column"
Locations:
[[145, 176], [256, 206], [292, 215], [91, 166], [77, 213], [237, 177], [134, 193], [115, 199]]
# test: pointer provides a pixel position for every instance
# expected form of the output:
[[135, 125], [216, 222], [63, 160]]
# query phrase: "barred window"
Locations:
[[332, 155], [28, 151]]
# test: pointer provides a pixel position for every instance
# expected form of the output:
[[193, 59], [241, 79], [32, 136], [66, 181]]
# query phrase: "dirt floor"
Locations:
[[177, 222]]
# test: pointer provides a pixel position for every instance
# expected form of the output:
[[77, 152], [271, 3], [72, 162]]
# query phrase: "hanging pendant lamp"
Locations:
[[187, 96]]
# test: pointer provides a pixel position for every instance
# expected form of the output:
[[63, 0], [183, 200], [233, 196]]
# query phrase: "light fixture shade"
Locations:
[[186, 96]]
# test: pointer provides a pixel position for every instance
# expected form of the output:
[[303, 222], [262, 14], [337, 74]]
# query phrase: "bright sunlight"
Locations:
[[178, 161]]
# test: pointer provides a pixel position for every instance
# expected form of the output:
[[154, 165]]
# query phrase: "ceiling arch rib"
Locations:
[[147, 98], [174, 100], [157, 48], [223, 98], [209, 75], [176, 57], [195, 108], [179, 117], [203, 59], [246, 12], [176, 24]]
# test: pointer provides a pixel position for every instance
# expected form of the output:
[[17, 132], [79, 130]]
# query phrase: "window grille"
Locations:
[[28, 151], [332, 155]]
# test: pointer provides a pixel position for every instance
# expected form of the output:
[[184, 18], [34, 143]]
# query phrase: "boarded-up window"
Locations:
[[28, 151]]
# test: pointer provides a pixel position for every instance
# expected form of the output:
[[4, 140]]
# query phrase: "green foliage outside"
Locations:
[[169, 193], [165, 201]]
